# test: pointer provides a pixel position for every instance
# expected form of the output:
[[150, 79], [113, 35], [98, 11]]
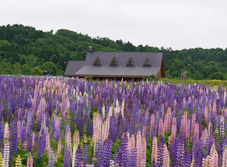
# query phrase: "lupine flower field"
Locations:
[[50, 121]]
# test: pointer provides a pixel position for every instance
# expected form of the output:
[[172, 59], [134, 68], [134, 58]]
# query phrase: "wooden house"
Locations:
[[118, 65]]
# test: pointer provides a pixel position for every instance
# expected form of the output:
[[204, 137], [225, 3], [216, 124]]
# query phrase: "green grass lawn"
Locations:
[[205, 82]]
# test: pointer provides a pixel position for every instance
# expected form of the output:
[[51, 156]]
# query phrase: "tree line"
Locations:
[[24, 50]]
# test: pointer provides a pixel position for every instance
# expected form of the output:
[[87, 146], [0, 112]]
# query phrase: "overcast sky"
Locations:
[[178, 24]]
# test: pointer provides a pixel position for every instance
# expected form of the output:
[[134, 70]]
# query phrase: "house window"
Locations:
[[147, 63], [130, 63], [97, 62], [113, 63]]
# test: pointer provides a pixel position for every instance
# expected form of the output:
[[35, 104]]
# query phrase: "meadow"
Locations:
[[210, 83], [57, 121]]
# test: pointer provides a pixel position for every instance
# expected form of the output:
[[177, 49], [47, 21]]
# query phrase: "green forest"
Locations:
[[25, 50]]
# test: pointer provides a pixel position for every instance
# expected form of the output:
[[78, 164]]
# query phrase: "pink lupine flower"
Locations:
[[213, 149], [6, 145], [204, 135], [167, 120], [144, 144], [69, 141], [184, 121], [133, 143], [225, 111], [59, 149], [33, 140], [224, 159], [173, 131], [105, 129], [209, 128], [24, 145], [196, 131], [139, 147], [129, 144], [76, 141], [30, 160], [47, 147], [76, 137], [154, 153], [6, 131], [193, 123], [148, 94], [206, 113], [97, 129], [166, 159], [6, 153], [214, 160], [144, 131], [152, 123], [35, 98], [188, 129], [214, 107], [205, 161], [160, 129]]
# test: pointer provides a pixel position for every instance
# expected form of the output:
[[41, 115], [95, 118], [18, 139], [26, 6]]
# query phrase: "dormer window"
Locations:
[[97, 62], [130, 63], [113, 63], [147, 63]]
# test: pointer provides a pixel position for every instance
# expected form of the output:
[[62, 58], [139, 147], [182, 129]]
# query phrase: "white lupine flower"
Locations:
[[224, 97], [110, 111], [103, 110]]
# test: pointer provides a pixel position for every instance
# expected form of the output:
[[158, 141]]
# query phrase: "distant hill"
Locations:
[[22, 48]]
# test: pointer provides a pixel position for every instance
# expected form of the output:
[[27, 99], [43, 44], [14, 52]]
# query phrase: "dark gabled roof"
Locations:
[[117, 71], [73, 67], [85, 68], [138, 58]]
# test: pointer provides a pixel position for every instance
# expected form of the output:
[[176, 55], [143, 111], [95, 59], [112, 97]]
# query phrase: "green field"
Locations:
[[205, 82]]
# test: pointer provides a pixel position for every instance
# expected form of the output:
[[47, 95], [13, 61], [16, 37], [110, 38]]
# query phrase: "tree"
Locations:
[[197, 76], [217, 75], [54, 59], [22, 61], [50, 67], [37, 71]]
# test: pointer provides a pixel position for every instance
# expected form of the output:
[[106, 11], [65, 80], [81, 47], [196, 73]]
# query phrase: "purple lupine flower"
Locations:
[[99, 153], [67, 158], [78, 157], [85, 155], [173, 151], [124, 149], [118, 157], [52, 128], [180, 153], [1, 136], [51, 158], [160, 151], [29, 144], [187, 157], [107, 150], [39, 151], [39, 119], [13, 140], [221, 139], [41, 145], [132, 157], [198, 153]]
